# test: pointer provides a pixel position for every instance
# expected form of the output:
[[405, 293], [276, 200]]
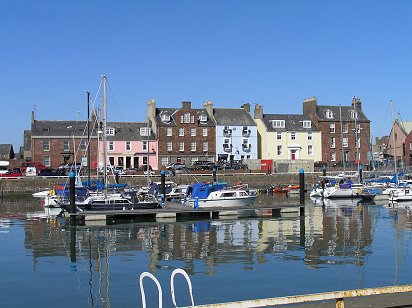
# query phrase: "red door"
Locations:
[[293, 154]]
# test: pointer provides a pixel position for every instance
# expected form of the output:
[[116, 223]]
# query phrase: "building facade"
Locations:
[[287, 137], [345, 131], [236, 133], [184, 134]]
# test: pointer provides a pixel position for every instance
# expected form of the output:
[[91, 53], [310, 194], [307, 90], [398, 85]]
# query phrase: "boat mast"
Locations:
[[394, 144], [88, 137], [104, 128], [357, 144]]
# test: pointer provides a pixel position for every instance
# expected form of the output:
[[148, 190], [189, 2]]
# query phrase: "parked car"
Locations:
[[52, 172], [144, 169], [71, 166], [11, 174], [36, 165], [235, 165], [204, 165], [131, 171], [119, 170], [176, 166]]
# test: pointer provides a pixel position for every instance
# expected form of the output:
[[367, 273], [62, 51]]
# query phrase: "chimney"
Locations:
[[246, 106], [209, 108], [356, 103], [310, 106], [258, 114], [186, 105], [33, 118]]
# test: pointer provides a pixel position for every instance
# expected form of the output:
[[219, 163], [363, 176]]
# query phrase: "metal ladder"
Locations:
[[159, 287]]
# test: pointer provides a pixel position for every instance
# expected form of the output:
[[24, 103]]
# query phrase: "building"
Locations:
[[399, 142], [60, 142], [6, 151], [287, 137], [340, 140], [130, 145], [236, 133], [184, 134]]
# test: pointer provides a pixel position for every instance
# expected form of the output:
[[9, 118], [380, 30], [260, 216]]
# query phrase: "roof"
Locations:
[[339, 112], [406, 126], [5, 149], [233, 116], [293, 122], [124, 131], [173, 121]]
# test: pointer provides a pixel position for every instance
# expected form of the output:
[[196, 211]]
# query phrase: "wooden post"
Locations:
[[163, 186], [302, 186], [72, 192]]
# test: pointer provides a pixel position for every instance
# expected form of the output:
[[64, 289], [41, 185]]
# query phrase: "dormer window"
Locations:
[[203, 118], [186, 118], [306, 124], [329, 114], [110, 131], [144, 131], [165, 117], [278, 123], [353, 114]]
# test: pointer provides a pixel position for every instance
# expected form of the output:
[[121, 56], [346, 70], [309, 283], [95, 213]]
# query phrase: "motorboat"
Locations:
[[210, 195], [401, 194]]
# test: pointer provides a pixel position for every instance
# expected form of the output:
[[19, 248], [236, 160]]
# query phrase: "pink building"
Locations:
[[129, 146]]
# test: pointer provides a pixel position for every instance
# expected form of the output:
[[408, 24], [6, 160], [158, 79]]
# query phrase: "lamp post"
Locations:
[[148, 143]]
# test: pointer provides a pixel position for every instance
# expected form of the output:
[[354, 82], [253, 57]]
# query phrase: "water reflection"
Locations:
[[331, 235]]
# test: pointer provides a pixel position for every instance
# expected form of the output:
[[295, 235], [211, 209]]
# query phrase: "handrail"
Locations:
[[172, 286], [159, 288]]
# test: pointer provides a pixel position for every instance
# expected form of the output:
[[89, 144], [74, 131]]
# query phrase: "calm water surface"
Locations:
[[338, 245]]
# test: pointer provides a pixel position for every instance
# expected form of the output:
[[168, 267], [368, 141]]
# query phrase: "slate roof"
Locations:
[[293, 123], [339, 112], [233, 116], [27, 140], [174, 121], [5, 149], [124, 131], [406, 126]]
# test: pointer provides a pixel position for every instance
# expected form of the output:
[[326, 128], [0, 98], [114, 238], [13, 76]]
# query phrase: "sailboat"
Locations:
[[105, 200]]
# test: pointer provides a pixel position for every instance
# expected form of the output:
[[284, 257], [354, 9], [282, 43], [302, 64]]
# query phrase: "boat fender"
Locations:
[[336, 185], [359, 190]]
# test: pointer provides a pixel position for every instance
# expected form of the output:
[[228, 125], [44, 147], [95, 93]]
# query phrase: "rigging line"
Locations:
[[115, 103]]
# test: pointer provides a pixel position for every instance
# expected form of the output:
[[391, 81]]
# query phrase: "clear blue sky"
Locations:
[[275, 53]]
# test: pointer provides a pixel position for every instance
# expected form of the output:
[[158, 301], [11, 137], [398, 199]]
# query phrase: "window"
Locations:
[[144, 131], [307, 124], [165, 117], [145, 160], [181, 146], [328, 114], [279, 150], [192, 119], [204, 132], [278, 123], [193, 146], [353, 114], [128, 146], [181, 131], [83, 145], [169, 146], [46, 161], [293, 136], [310, 150], [203, 118], [169, 132], [111, 146], [144, 145], [164, 161], [345, 142], [186, 118], [205, 147], [278, 136], [66, 145], [332, 142], [110, 131], [310, 136], [46, 145], [332, 128], [345, 128], [396, 137], [193, 132], [333, 156]]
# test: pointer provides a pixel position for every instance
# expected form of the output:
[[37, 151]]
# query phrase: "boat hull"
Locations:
[[222, 203]]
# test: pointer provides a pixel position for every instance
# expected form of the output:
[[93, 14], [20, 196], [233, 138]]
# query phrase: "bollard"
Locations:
[[214, 174], [72, 185], [162, 185], [360, 174], [302, 186], [324, 170]]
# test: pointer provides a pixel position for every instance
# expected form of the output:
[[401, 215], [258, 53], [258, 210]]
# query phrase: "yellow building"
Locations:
[[287, 137]]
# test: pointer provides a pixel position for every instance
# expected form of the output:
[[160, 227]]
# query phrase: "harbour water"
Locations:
[[338, 245]]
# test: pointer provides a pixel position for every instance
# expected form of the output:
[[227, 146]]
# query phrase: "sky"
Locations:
[[272, 53]]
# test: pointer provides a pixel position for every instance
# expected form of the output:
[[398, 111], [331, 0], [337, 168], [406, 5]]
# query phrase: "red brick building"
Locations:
[[340, 140], [184, 134]]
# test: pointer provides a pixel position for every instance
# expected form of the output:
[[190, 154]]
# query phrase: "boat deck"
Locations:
[[172, 210]]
